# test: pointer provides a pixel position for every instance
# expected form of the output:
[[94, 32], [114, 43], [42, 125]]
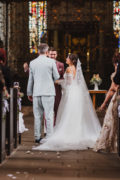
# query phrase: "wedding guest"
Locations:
[[6, 72], [2, 81], [116, 56], [2, 52], [113, 88], [107, 140], [2, 85], [52, 53], [26, 67], [116, 78]]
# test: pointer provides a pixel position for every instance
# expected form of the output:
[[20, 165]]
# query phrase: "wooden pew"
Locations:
[[15, 118], [2, 130], [9, 124]]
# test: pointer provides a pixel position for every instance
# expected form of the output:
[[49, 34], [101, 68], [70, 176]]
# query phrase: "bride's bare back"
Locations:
[[71, 70]]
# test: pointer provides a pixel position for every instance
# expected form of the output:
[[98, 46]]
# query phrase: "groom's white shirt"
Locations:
[[43, 72]]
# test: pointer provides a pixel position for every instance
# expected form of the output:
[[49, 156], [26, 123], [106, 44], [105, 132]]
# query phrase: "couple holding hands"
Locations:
[[77, 126]]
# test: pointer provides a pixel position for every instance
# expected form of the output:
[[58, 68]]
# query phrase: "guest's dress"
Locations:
[[107, 141]]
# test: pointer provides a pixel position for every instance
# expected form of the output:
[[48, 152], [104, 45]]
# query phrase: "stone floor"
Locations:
[[26, 164]]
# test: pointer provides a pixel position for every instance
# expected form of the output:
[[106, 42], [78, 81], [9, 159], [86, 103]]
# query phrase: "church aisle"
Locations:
[[27, 164]]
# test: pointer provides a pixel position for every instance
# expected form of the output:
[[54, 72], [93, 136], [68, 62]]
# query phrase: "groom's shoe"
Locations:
[[38, 140]]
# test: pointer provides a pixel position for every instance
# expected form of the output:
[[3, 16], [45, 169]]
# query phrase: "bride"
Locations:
[[77, 126]]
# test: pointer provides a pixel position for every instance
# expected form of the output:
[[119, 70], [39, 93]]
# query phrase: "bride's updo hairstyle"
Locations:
[[73, 58]]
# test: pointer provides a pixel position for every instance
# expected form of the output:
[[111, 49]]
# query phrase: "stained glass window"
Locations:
[[116, 20], [37, 23]]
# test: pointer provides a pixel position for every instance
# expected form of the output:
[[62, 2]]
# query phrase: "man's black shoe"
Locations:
[[38, 140]]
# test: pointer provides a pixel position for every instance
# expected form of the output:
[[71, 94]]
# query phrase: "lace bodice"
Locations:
[[67, 81], [68, 78]]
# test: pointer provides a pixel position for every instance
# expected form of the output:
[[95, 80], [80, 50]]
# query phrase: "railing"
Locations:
[[9, 122]]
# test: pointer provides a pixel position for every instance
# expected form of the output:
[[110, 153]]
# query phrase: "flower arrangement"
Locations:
[[96, 79], [20, 94]]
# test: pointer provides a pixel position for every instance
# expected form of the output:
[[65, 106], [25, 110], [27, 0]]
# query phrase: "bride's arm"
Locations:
[[59, 81], [67, 80], [113, 88]]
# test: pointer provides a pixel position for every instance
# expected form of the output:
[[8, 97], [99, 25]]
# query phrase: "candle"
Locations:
[[88, 58], [88, 55]]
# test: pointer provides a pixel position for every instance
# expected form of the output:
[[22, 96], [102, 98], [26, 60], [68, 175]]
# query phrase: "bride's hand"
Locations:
[[59, 81]]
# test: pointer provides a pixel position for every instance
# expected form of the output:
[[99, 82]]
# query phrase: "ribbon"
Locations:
[[5, 106], [19, 103]]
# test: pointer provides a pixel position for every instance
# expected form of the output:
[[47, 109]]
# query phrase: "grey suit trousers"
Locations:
[[43, 104]]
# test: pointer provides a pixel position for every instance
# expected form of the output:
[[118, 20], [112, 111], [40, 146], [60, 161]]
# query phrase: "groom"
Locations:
[[60, 67], [41, 90]]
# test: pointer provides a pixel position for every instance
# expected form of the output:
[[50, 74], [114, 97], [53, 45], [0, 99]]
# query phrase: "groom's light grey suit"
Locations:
[[43, 73]]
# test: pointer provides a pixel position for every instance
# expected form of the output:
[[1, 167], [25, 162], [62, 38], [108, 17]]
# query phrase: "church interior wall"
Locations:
[[72, 26]]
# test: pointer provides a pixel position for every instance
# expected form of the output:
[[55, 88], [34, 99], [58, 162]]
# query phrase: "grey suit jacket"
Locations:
[[43, 73]]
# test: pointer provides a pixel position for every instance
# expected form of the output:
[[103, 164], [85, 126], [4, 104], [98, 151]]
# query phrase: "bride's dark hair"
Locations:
[[73, 58]]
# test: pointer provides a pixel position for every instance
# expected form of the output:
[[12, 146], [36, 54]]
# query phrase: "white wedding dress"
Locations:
[[77, 126]]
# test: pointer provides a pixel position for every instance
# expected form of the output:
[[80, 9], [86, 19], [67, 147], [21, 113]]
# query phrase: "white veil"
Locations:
[[79, 78]]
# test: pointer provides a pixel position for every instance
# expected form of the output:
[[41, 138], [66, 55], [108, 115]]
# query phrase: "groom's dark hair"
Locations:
[[51, 49], [43, 48]]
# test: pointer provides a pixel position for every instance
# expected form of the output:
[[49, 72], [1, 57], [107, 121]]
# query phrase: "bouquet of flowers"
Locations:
[[96, 79], [20, 94]]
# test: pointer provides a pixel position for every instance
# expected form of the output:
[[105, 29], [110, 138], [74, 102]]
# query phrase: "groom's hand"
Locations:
[[30, 98]]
